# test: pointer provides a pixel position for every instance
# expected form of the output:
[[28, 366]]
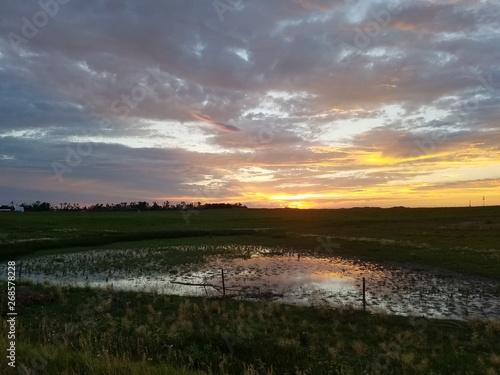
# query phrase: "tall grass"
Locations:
[[108, 332]]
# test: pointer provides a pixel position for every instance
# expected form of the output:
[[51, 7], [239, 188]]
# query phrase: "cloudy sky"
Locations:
[[300, 103]]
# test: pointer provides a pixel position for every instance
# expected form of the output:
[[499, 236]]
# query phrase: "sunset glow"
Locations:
[[272, 103]]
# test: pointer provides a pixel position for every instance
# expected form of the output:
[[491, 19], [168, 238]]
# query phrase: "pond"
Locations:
[[277, 275]]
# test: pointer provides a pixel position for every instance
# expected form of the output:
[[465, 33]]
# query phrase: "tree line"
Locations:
[[125, 206]]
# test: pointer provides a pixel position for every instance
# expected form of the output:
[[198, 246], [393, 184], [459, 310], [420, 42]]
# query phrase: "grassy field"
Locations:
[[62, 330], [84, 331], [461, 239]]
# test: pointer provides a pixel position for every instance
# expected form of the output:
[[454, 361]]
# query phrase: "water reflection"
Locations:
[[307, 280], [337, 281]]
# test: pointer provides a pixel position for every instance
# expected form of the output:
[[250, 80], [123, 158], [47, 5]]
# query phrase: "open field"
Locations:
[[77, 331], [461, 239], [62, 329]]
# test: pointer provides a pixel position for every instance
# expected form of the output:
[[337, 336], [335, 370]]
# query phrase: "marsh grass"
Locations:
[[82, 330], [108, 264]]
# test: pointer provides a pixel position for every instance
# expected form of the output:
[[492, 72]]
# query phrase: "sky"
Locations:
[[271, 103]]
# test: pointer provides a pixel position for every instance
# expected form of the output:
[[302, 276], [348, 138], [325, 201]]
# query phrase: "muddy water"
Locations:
[[338, 282], [306, 280]]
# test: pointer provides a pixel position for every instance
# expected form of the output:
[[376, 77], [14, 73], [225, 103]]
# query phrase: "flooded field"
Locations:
[[275, 274]]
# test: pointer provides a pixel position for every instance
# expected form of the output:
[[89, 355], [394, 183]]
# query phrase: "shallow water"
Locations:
[[287, 278], [336, 281]]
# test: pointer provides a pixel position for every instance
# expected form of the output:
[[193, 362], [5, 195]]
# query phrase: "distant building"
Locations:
[[5, 208]]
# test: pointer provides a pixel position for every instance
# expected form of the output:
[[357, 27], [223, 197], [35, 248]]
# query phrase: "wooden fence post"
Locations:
[[364, 295], [223, 284]]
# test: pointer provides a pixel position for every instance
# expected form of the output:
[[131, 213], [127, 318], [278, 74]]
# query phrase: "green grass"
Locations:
[[83, 331], [461, 239]]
